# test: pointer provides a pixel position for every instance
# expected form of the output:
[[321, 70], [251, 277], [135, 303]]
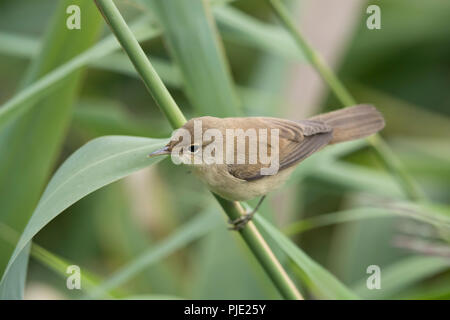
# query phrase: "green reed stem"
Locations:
[[140, 61], [155, 86], [384, 152]]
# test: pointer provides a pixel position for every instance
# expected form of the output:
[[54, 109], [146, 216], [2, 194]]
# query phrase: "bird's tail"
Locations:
[[353, 122]]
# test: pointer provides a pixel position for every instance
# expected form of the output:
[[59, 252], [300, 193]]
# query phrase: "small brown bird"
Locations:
[[219, 154]]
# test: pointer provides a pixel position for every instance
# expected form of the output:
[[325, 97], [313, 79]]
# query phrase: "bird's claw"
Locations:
[[241, 222]]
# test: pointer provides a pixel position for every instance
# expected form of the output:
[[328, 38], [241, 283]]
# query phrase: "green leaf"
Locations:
[[9, 288], [60, 265], [26, 47], [99, 117], [196, 228], [195, 46], [403, 274], [358, 178], [52, 80], [30, 144], [337, 217], [317, 278], [248, 279], [326, 160], [420, 213], [437, 288], [96, 164], [19, 45], [246, 30]]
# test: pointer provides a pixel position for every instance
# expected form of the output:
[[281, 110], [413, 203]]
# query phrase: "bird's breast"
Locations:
[[220, 181]]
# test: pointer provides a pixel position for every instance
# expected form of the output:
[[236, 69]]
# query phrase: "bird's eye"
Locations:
[[193, 148]]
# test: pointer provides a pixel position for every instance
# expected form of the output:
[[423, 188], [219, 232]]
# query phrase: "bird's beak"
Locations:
[[164, 150]]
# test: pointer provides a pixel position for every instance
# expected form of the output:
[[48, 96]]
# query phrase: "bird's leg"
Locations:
[[242, 221]]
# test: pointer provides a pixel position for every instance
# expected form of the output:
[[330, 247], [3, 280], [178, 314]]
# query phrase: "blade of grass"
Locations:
[[30, 144], [26, 47], [53, 79], [186, 234], [93, 118], [250, 234], [436, 289], [317, 278], [384, 152], [209, 68], [329, 219], [237, 274], [356, 214], [13, 287], [241, 28], [267, 87], [10, 290], [96, 164], [327, 160], [19, 45], [60, 266], [358, 178], [122, 237], [403, 274]]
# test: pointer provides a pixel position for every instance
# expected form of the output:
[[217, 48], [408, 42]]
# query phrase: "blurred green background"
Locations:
[[404, 69]]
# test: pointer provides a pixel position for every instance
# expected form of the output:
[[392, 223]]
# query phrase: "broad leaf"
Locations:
[[96, 164], [12, 287], [30, 143]]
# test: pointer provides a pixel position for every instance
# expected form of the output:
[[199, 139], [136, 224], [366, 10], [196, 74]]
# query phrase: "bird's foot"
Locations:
[[241, 222]]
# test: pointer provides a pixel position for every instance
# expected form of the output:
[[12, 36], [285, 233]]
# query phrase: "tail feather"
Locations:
[[353, 122]]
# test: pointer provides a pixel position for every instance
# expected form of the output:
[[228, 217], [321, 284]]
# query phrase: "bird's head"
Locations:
[[188, 142]]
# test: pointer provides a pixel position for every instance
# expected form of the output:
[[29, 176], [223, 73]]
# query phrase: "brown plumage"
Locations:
[[297, 141]]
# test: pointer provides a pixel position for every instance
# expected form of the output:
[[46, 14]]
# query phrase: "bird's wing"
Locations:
[[297, 141]]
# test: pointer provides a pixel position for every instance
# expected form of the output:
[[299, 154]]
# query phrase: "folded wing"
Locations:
[[297, 141]]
